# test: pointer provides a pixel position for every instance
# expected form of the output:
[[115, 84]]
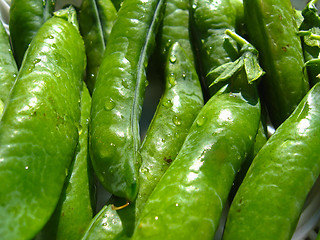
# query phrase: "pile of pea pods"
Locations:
[[73, 84]]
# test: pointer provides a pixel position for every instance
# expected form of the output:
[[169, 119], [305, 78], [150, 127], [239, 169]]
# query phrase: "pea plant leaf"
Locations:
[[248, 60]]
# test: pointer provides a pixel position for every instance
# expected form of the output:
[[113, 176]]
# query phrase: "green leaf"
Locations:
[[226, 71], [252, 67]]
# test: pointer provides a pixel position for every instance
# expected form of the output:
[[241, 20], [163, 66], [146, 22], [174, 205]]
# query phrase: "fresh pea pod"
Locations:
[[105, 225], [39, 127], [273, 31], [8, 68], [179, 106], [210, 19], [118, 96], [215, 147], [175, 28], [26, 17], [270, 199], [95, 33], [76, 206]]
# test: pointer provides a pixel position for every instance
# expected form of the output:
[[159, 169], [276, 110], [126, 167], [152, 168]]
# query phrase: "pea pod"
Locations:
[[118, 96], [279, 178], [178, 108], [214, 48], [8, 68], [26, 17], [218, 141], [76, 205], [275, 37], [105, 225], [95, 33], [39, 127]]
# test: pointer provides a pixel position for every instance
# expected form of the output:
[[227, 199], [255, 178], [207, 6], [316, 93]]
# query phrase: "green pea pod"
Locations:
[[75, 208], [8, 68], [179, 105], [105, 225], [209, 21], [39, 128], [189, 198], [26, 17], [108, 15], [95, 33], [175, 28], [118, 96], [273, 31], [270, 199]]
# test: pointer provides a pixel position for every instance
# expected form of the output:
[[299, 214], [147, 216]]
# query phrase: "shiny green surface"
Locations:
[[76, 205], [210, 19], [273, 31], [178, 107], [105, 225], [95, 22], [39, 129], [189, 198], [271, 197], [118, 96], [8, 68], [26, 17]]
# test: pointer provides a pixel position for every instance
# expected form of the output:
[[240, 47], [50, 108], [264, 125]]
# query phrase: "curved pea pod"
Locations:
[[216, 145], [105, 225], [95, 21], [175, 28], [76, 205], [26, 17], [178, 107], [39, 127], [214, 48], [118, 96], [275, 37], [279, 179], [8, 68]]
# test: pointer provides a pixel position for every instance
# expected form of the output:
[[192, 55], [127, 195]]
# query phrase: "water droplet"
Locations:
[[184, 75], [201, 120], [92, 75], [194, 6], [58, 75], [67, 171], [14, 75], [176, 120], [109, 105], [172, 80], [167, 103], [156, 217], [37, 60], [173, 59], [146, 83], [27, 167], [177, 204], [168, 43], [51, 37], [104, 224]]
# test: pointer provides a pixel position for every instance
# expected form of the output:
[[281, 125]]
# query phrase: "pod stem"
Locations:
[[120, 207], [236, 37]]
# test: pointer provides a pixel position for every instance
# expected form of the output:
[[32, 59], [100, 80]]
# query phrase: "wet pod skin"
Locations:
[[8, 68], [273, 31], [39, 128], [279, 179], [95, 22], [76, 205], [213, 47], [118, 96], [189, 198], [26, 17]]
